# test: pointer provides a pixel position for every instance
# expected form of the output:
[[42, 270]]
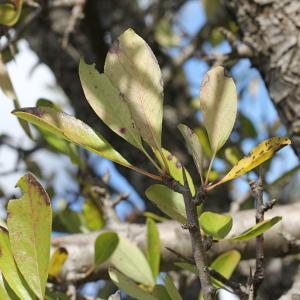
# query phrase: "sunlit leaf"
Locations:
[[9, 268], [153, 247], [130, 260], [233, 155], [105, 245], [193, 145], [128, 286], [29, 224], [258, 155], [133, 70], [175, 168], [218, 101], [92, 215], [225, 264], [168, 201], [57, 261], [216, 225], [172, 290], [204, 141], [10, 12], [257, 229], [3, 293], [71, 129], [108, 103]]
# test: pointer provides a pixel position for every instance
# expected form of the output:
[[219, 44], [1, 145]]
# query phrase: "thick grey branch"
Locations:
[[81, 246]]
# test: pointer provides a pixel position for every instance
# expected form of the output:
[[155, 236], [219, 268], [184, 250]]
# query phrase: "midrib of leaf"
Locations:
[[34, 241]]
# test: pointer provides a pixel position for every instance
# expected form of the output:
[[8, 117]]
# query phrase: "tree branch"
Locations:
[[81, 246]]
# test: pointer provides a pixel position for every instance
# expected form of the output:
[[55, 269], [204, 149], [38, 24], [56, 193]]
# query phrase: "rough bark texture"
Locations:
[[271, 28], [81, 246]]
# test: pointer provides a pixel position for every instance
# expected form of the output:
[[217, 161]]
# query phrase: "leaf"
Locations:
[[257, 229], [257, 156], [216, 225], [218, 101], [71, 129], [225, 264], [247, 127], [57, 261], [187, 266], [130, 260], [10, 12], [9, 268], [128, 286], [133, 70], [153, 247], [8, 89], [164, 33], [29, 224], [193, 146], [3, 293], [109, 103], [153, 216], [92, 215], [175, 167], [67, 220], [172, 291], [232, 155], [168, 201], [160, 292], [105, 245], [204, 141]]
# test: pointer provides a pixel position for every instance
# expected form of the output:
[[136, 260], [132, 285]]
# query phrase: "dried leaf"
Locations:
[[218, 101], [258, 155], [133, 69], [29, 224]]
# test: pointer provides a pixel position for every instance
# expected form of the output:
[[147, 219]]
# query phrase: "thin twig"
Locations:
[[192, 225]]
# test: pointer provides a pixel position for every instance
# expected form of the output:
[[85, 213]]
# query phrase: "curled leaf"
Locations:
[[257, 156], [218, 101]]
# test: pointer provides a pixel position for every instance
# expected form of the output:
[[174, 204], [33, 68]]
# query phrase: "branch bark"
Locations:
[[81, 246]]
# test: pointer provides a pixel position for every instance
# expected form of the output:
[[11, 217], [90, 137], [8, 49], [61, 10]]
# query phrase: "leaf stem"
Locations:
[[209, 168]]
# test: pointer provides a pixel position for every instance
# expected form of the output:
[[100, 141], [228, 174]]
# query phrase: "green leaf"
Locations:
[[71, 129], [164, 33], [57, 261], [10, 12], [153, 247], [168, 201], [128, 286], [187, 266], [204, 141], [175, 167], [130, 260], [105, 245], [193, 146], [257, 229], [247, 127], [153, 216], [9, 268], [172, 291], [133, 70], [218, 101], [259, 154], [109, 104], [67, 220], [160, 292], [29, 224], [216, 225], [3, 293], [92, 215], [225, 264]]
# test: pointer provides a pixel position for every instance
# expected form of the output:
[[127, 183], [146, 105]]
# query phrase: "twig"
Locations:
[[257, 192], [192, 225]]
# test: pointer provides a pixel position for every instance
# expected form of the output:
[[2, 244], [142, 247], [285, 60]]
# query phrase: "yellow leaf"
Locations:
[[257, 156], [57, 261], [218, 102]]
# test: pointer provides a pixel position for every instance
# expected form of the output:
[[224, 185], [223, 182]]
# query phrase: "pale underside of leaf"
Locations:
[[257, 156], [109, 104], [29, 223], [133, 69], [218, 101]]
